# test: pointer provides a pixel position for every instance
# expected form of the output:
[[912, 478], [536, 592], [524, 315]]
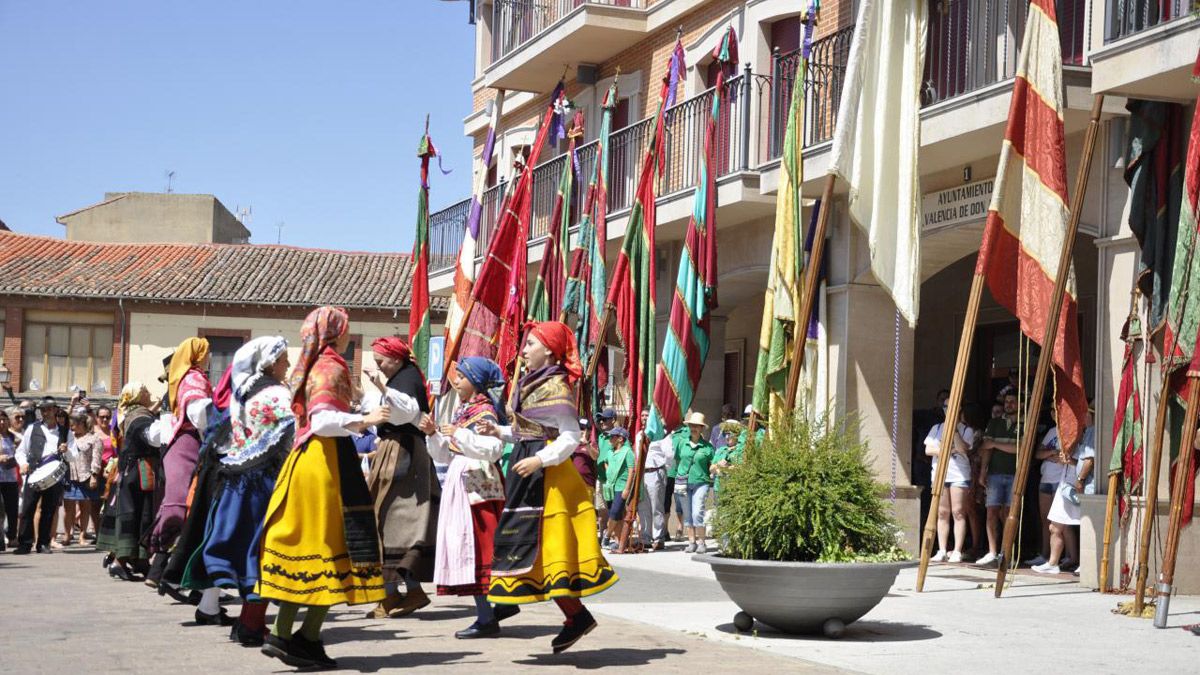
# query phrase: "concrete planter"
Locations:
[[803, 597]]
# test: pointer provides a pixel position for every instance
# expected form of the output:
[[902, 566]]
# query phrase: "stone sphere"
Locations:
[[743, 621], [833, 628]]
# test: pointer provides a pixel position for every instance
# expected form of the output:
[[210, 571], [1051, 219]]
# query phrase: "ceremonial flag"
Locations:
[[418, 312], [695, 298], [877, 138], [1183, 311], [1128, 450], [1154, 173], [494, 326], [546, 298], [781, 301], [1027, 220], [632, 290], [464, 270], [588, 279]]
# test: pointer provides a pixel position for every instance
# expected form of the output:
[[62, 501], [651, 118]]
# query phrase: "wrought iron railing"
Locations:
[[1127, 17], [515, 22], [823, 84]]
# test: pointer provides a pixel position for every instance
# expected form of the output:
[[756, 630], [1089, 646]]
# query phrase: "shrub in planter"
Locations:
[[806, 494]]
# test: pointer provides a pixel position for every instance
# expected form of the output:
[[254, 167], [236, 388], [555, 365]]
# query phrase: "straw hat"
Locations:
[[697, 419]]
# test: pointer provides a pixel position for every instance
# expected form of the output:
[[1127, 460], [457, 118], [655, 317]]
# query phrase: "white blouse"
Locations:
[[558, 450]]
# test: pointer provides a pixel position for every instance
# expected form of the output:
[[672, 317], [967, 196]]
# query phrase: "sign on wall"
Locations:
[[956, 205], [437, 359]]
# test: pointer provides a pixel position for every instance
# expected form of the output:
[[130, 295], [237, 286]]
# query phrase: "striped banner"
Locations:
[[418, 314], [687, 343], [1027, 220], [546, 297], [1127, 456]]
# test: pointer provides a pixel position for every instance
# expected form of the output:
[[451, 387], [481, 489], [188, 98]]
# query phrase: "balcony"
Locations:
[[971, 56], [1149, 49], [532, 39]]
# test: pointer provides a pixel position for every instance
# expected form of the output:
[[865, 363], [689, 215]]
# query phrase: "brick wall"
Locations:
[[14, 329]]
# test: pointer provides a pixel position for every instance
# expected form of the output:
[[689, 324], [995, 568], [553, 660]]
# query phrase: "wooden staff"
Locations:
[[1150, 499], [1110, 510], [953, 406], [605, 321], [635, 493], [1166, 575], [811, 274], [1025, 449]]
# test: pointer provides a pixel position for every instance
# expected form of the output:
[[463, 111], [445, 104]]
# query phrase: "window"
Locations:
[[67, 357], [221, 348]]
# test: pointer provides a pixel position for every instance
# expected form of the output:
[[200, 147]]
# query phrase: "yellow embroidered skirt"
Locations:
[[305, 559], [568, 563]]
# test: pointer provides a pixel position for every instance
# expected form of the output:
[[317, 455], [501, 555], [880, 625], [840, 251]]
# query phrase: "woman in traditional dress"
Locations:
[[557, 556], [473, 494], [320, 546], [263, 429], [129, 513], [216, 439], [189, 394], [402, 480]]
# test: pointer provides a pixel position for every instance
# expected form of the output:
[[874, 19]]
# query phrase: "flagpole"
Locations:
[[811, 276], [1166, 574], [635, 493], [1109, 510], [1150, 499], [594, 361], [953, 406], [1025, 449]]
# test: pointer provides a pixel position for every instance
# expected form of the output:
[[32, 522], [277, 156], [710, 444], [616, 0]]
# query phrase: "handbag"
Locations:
[[145, 475]]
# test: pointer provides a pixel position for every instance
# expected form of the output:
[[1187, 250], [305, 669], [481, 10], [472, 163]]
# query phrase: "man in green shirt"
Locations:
[[605, 421], [620, 462], [996, 473]]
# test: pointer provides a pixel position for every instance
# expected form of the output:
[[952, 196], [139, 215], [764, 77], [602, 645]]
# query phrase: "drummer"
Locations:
[[43, 442]]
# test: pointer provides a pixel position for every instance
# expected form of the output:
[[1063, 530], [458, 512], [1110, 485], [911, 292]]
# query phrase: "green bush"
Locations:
[[805, 494]]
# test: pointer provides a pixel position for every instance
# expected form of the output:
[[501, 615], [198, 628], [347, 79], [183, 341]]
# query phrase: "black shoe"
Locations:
[[119, 571], [177, 595], [576, 627], [503, 612], [479, 630], [279, 648], [44, 549], [313, 650], [244, 636], [221, 618], [193, 598], [108, 560], [22, 550]]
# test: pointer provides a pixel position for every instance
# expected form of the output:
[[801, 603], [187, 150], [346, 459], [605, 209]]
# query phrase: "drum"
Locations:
[[48, 475]]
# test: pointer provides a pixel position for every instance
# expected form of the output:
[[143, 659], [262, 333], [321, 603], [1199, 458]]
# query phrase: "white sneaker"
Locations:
[[989, 559], [1034, 562], [955, 557], [701, 548], [1046, 568], [691, 547], [940, 556]]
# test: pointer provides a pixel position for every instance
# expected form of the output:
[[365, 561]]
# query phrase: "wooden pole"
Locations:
[[953, 406], [594, 362], [1025, 449], [811, 274], [1166, 574], [1150, 499], [1109, 513], [635, 493]]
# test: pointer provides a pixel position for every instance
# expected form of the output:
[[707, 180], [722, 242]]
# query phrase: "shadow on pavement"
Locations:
[[373, 664], [528, 632], [335, 634], [600, 658], [428, 614], [859, 631]]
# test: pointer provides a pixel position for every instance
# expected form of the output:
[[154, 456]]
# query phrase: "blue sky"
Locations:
[[308, 111]]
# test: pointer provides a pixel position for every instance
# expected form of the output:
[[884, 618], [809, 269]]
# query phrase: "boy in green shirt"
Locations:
[[618, 467], [997, 470], [605, 422]]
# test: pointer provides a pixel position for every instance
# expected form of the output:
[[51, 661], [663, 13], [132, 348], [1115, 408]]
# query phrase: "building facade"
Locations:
[[871, 364], [92, 316], [127, 217]]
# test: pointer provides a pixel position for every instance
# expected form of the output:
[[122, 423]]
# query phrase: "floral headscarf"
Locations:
[[249, 362], [321, 330]]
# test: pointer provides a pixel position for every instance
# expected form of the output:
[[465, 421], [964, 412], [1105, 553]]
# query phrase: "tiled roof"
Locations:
[[251, 274]]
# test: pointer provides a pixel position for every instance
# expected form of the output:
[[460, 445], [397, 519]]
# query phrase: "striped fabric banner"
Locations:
[[632, 290], [1127, 444], [418, 313], [588, 279], [464, 270], [546, 297], [1027, 219], [687, 343]]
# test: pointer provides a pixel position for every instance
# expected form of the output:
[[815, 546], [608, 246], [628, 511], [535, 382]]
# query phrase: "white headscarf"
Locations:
[[249, 362]]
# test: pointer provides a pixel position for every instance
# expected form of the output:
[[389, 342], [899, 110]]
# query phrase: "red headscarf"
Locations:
[[560, 340], [392, 347], [322, 328], [224, 389]]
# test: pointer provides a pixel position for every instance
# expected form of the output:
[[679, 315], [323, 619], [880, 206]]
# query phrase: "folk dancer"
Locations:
[[473, 495], [189, 395], [320, 546], [403, 484], [128, 515], [557, 555], [43, 442], [263, 431]]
